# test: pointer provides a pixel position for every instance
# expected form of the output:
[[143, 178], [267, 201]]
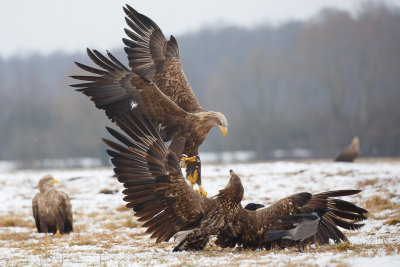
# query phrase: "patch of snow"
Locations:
[[119, 245]]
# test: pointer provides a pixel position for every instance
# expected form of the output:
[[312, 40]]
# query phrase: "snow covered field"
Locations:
[[106, 234]]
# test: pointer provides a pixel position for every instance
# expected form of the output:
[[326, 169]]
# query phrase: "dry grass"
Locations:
[[378, 203], [122, 208], [15, 237], [17, 221], [111, 236], [339, 173], [133, 223], [83, 241], [108, 191], [367, 182], [393, 221]]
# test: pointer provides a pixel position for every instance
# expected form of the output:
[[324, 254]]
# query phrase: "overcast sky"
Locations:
[[47, 26]]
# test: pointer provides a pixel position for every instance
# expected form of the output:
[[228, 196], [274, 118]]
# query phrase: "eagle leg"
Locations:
[[201, 191], [300, 244], [57, 234], [193, 179], [186, 160]]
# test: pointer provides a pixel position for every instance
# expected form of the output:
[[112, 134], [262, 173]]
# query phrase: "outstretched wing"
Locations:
[[344, 214], [113, 88], [292, 219], [252, 224], [109, 86], [154, 58], [155, 187]]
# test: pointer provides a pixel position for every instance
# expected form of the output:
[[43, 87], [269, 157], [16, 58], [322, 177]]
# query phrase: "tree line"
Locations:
[[304, 84]]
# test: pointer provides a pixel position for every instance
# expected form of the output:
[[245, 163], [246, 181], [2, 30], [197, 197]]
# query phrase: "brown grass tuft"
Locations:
[[132, 223], [393, 221], [16, 221], [367, 182], [378, 203], [83, 242], [122, 208], [342, 247]]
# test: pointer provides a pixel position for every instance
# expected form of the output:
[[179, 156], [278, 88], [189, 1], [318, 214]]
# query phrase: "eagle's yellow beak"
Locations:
[[224, 130], [54, 181]]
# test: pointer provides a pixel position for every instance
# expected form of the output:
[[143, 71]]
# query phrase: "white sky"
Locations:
[[47, 26]]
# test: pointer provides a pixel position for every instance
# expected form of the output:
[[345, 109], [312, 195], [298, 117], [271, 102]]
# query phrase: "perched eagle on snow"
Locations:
[[351, 152], [159, 195], [157, 84], [51, 208]]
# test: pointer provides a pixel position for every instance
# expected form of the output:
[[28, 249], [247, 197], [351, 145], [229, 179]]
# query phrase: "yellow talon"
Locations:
[[202, 191], [186, 160], [57, 234], [193, 179]]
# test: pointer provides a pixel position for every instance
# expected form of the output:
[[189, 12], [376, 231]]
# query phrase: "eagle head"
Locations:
[[234, 189], [214, 118], [46, 181]]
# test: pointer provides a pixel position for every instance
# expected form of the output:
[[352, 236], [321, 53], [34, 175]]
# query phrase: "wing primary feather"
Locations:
[[116, 61], [90, 69], [98, 62]]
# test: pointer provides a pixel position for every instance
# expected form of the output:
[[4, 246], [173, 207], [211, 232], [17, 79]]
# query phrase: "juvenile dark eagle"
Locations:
[[157, 84], [159, 195], [51, 208], [351, 152]]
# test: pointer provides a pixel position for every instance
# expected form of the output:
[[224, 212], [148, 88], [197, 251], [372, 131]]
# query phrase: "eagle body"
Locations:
[[169, 76], [351, 152], [159, 195], [51, 208], [156, 84], [254, 224]]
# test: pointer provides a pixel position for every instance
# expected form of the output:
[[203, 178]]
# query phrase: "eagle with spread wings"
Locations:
[[159, 195], [156, 85]]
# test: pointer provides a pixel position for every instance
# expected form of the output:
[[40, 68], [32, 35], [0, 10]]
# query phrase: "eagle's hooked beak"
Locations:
[[54, 181], [224, 130]]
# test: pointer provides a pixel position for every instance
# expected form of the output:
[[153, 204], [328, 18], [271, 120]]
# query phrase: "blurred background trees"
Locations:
[[311, 85]]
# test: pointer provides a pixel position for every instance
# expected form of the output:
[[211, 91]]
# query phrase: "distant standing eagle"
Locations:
[[51, 208], [157, 84], [160, 197], [351, 152]]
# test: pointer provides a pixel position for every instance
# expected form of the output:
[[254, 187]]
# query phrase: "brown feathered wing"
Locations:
[[251, 225], [155, 187], [66, 212], [156, 59], [113, 88], [35, 211]]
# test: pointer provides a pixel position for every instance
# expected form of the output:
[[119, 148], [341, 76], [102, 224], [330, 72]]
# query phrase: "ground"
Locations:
[[107, 234]]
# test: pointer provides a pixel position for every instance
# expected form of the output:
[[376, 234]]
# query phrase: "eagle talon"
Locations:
[[57, 234], [188, 159], [202, 191], [193, 179]]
